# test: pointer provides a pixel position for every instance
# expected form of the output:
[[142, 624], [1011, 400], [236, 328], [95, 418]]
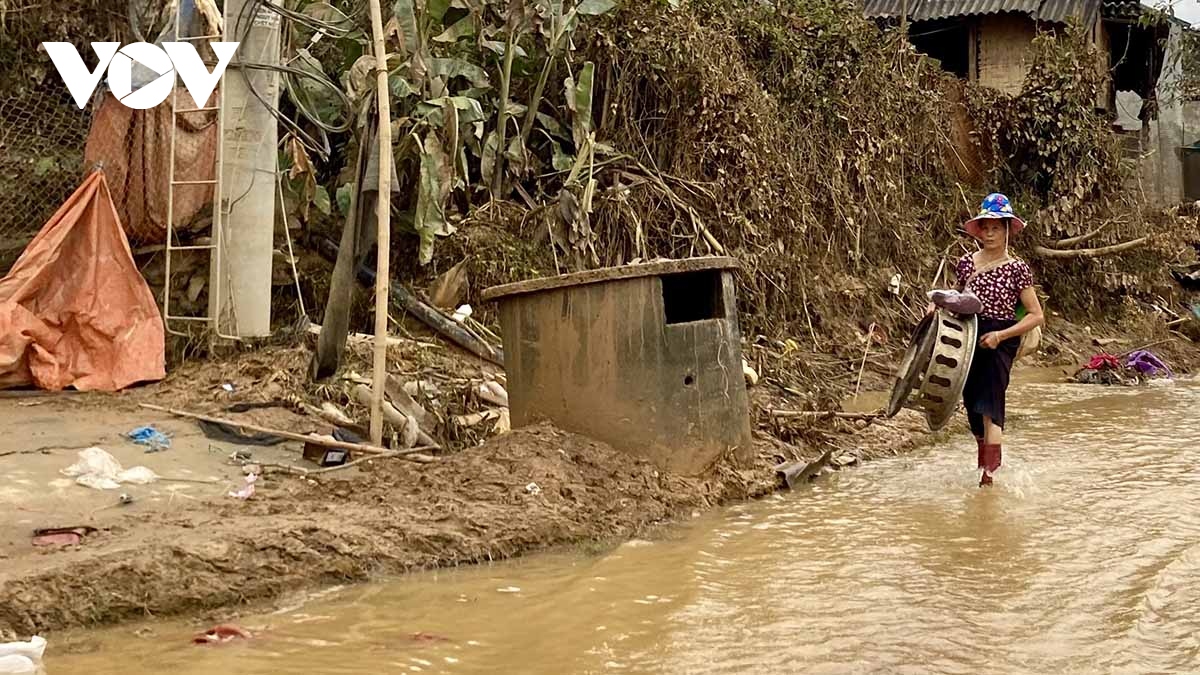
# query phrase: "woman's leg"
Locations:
[[993, 435], [991, 451], [978, 430]]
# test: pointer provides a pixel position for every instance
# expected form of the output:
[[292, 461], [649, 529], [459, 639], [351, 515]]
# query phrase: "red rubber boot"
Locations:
[[990, 455]]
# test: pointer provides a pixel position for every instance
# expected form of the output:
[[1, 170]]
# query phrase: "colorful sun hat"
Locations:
[[994, 206]]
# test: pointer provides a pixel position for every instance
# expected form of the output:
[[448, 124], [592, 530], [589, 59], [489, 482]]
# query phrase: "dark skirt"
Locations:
[[987, 383]]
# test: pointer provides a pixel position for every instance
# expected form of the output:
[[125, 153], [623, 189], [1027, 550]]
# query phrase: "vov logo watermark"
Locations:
[[178, 58]]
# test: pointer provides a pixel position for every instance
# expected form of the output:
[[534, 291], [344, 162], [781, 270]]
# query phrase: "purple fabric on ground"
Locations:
[[1147, 363]]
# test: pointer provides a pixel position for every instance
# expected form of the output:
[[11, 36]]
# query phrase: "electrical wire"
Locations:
[[290, 76], [322, 147]]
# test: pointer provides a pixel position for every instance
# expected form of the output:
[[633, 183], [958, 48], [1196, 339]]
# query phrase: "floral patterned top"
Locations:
[[999, 289]]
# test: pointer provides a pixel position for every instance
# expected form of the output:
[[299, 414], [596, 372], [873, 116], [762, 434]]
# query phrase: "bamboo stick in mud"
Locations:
[[383, 224]]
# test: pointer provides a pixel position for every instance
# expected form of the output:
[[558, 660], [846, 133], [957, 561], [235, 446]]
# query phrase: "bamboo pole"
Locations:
[[289, 435], [383, 224]]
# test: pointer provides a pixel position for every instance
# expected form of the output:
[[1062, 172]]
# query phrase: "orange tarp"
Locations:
[[131, 146], [74, 310]]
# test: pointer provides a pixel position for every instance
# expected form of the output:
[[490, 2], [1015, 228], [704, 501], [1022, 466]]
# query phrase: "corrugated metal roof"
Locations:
[[1121, 9], [1055, 11]]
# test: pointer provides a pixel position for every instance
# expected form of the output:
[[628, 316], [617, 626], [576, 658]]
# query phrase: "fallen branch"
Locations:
[[317, 440], [363, 338], [823, 414], [1044, 252], [445, 326], [1081, 239], [1152, 344]]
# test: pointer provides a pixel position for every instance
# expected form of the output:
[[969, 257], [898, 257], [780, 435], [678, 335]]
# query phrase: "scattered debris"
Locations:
[[246, 491], [326, 441], [442, 324], [59, 536], [750, 373], [824, 414], [98, 469], [493, 393], [16, 664], [801, 472], [151, 437], [844, 460], [422, 389], [404, 425], [449, 289], [1146, 363], [334, 414], [323, 456], [222, 633], [1133, 368], [228, 433], [394, 389], [22, 658], [472, 419]]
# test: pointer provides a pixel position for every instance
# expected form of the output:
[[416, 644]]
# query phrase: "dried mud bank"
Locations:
[[525, 491]]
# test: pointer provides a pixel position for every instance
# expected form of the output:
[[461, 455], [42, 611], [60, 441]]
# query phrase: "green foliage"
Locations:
[[453, 85], [1055, 150]]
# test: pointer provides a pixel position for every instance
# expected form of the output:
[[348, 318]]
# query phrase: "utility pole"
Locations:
[[383, 225], [250, 131]]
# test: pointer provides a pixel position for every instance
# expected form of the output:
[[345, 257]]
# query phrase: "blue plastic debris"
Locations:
[[149, 436]]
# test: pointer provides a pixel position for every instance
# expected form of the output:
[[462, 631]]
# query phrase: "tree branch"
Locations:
[[1044, 252], [1081, 239]]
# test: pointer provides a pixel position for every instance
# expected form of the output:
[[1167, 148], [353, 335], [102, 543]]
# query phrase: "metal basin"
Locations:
[[934, 369]]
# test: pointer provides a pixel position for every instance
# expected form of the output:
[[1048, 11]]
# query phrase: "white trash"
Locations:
[[20, 658], [16, 664], [99, 470]]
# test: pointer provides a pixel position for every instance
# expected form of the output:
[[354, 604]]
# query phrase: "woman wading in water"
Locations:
[[1002, 283]]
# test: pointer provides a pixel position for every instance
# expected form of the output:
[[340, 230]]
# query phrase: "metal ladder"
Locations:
[[216, 238]]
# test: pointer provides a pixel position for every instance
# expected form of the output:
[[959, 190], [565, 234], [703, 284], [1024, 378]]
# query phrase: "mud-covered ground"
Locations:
[[184, 546], [188, 547]]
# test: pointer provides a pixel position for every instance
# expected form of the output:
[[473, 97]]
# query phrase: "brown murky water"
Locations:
[[1084, 559]]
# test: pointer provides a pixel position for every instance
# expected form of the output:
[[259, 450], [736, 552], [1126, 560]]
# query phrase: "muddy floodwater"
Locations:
[[1085, 558]]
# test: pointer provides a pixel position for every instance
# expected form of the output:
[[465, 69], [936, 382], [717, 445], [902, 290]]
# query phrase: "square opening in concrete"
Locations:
[[692, 296]]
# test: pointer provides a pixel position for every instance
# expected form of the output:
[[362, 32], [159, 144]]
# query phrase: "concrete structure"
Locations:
[[248, 188], [646, 358], [988, 42]]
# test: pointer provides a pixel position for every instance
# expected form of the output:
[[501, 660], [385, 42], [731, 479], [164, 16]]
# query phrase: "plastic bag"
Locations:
[[34, 649], [96, 462], [16, 664], [101, 471], [138, 475]]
